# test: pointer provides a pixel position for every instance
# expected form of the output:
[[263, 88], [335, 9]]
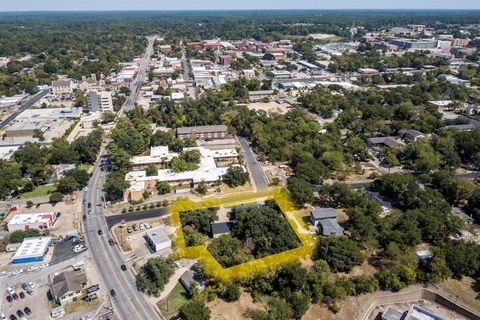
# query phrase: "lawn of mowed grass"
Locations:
[[174, 301], [41, 191]]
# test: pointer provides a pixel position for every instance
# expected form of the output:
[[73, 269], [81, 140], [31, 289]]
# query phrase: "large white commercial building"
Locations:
[[32, 221], [100, 101], [32, 250], [208, 171]]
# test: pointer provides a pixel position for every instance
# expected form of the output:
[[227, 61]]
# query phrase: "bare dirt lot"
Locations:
[[269, 107], [238, 310]]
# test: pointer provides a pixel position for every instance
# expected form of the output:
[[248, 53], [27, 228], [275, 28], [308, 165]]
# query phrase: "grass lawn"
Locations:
[[41, 191], [174, 301], [80, 304], [85, 166]]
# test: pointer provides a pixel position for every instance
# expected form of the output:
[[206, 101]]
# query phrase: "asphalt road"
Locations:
[[136, 216], [129, 303], [27, 104], [141, 76], [256, 173]]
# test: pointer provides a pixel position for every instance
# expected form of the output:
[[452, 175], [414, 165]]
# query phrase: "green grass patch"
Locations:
[[41, 191], [85, 166], [174, 301]]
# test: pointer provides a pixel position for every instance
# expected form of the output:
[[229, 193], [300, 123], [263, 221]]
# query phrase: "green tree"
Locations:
[[154, 275], [202, 188], [151, 170], [341, 253], [56, 197], [231, 292], [300, 190], [235, 177], [19, 235], [194, 310], [228, 251], [67, 185], [163, 187], [114, 186]]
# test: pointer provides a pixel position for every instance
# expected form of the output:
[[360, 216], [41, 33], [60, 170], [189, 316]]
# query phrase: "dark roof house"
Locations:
[[67, 285], [220, 228], [412, 135]]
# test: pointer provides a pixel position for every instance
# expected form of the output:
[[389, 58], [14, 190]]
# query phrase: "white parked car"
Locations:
[[44, 265], [141, 226], [3, 316], [10, 290], [17, 271], [31, 284], [147, 225], [32, 268], [4, 274]]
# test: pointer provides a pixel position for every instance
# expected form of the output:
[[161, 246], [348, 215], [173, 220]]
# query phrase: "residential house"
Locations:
[[412, 135], [67, 286], [326, 220]]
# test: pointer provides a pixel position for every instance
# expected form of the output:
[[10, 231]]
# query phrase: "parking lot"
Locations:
[[37, 302], [63, 251]]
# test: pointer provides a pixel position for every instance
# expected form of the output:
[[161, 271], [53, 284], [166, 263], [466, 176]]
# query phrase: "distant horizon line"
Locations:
[[244, 9]]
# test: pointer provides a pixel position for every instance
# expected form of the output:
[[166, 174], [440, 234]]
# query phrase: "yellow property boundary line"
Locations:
[[247, 269]]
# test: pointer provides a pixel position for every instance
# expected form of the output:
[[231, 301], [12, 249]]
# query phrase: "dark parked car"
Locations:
[[89, 205], [12, 317], [123, 267], [22, 295], [111, 242], [20, 313], [15, 296], [84, 217], [25, 286], [100, 232], [113, 293], [27, 311], [9, 298]]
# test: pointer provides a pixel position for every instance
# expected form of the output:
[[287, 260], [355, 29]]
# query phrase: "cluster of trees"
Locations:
[[235, 177], [72, 45], [154, 275], [31, 164], [296, 287], [258, 232], [196, 225], [369, 57], [186, 161]]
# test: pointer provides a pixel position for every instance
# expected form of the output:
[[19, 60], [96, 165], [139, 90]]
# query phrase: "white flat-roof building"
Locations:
[[32, 221], [158, 155], [100, 101], [32, 250], [157, 239], [208, 171]]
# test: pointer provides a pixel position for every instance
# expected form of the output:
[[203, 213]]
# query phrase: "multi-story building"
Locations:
[[203, 132], [100, 101], [60, 87]]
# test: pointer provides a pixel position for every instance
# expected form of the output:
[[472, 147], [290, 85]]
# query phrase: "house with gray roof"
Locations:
[[412, 135], [326, 221], [221, 228], [67, 286]]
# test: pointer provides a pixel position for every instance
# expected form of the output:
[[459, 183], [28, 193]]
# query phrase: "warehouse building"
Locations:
[[157, 239], [32, 221], [32, 250]]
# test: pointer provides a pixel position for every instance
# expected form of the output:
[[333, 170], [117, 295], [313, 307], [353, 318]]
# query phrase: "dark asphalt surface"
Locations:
[[254, 168], [63, 251], [27, 104], [136, 216]]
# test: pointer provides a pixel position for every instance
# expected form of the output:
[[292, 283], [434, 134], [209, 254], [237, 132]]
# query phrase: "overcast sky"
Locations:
[[60, 5]]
